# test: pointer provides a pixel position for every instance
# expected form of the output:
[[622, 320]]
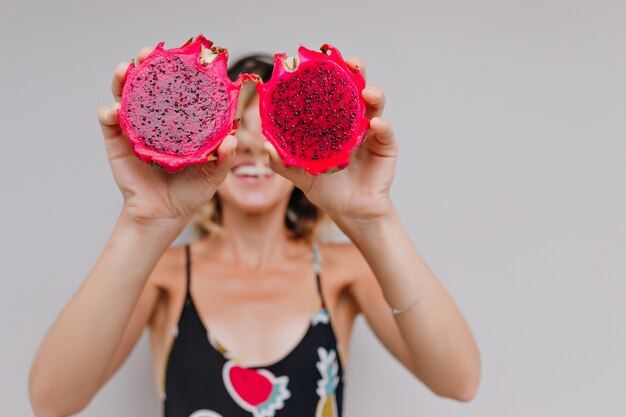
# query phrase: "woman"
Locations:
[[255, 317]]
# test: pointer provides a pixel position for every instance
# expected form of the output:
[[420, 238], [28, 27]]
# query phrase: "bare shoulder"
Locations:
[[361, 285], [345, 255], [347, 261], [169, 269]]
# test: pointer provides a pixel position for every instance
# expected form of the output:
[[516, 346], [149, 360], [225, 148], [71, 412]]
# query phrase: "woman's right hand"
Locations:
[[152, 195]]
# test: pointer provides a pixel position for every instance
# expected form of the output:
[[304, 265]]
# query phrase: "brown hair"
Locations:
[[302, 217]]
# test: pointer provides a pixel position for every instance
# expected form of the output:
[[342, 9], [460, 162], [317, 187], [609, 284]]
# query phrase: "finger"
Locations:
[[219, 162], [109, 121], [356, 63], [374, 97], [300, 178], [119, 76], [226, 152], [143, 54], [117, 146], [381, 139]]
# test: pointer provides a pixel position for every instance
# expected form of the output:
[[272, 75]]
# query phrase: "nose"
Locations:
[[249, 143]]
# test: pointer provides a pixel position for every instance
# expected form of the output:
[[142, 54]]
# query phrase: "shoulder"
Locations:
[[349, 266], [343, 255], [170, 268]]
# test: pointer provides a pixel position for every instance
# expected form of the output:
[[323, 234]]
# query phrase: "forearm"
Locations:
[[445, 354], [79, 346]]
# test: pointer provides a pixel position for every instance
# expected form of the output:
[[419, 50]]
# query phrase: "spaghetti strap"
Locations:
[[318, 271], [188, 271]]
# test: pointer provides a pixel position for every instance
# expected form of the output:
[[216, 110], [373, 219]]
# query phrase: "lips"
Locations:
[[252, 171]]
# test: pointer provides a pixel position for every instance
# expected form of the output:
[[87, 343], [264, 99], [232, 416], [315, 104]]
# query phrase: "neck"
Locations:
[[255, 240]]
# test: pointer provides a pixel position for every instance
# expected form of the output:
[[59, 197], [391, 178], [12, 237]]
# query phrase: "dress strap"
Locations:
[[318, 270], [316, 258], [188, 270]]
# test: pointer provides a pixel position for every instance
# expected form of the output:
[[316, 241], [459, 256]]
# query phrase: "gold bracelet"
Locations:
[[396, 311]]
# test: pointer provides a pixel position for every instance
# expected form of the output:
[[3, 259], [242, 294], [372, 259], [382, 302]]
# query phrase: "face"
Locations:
[[251, 185]]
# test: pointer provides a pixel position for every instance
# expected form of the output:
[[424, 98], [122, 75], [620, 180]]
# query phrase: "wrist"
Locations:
[[152, 229], [371, 226]]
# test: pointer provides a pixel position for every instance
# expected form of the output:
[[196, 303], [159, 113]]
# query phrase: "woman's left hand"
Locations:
[[360, 192]]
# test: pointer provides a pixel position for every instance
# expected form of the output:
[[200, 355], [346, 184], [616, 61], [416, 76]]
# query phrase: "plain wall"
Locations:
[[511, 121]]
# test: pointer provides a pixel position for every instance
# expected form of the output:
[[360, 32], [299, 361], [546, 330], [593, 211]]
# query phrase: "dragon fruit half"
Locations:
[[312, 110], [179, 104]]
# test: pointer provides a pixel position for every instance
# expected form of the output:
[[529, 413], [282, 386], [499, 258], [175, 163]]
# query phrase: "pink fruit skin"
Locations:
[[315, 115], [176, 111]]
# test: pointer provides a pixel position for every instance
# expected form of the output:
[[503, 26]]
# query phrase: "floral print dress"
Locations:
[[202, 379]]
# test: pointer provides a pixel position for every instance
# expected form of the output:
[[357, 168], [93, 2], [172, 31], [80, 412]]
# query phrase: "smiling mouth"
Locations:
[[252, 171]]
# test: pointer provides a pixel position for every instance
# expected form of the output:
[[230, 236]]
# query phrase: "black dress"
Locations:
[[203, 380]]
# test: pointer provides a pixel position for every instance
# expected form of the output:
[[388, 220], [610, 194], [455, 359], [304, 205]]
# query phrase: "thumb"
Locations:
[[218, 163], [300, 178], [226, 153], [381, 140]]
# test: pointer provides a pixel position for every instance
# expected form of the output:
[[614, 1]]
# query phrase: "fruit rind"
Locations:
[[282, 72], [190, 52]]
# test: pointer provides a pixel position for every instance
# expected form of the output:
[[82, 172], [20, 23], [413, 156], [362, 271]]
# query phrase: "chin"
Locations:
[[251, 202]]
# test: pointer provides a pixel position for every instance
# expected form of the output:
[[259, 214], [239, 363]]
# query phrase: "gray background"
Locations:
[[510, 116]]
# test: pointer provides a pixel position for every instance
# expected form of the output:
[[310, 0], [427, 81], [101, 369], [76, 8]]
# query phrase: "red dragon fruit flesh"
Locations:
[[312, 110], [178, 105]]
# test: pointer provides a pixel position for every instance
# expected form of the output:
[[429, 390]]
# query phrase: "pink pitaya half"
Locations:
[[178, 105], [312, 110]]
